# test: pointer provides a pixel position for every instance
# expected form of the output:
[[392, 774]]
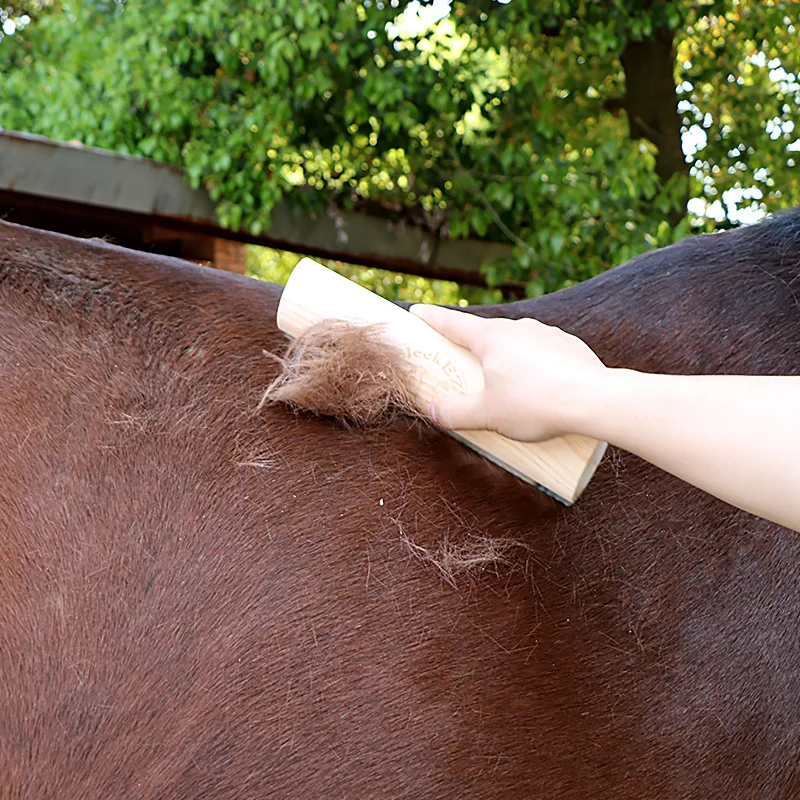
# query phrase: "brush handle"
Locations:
[[563, 465]]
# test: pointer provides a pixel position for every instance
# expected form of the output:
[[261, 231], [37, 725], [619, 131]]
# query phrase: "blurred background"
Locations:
[[456, 152]]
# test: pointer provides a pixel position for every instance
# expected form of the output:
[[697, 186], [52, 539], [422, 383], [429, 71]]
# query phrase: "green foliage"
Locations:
[[739, 82], [276, 266], [497, 121]]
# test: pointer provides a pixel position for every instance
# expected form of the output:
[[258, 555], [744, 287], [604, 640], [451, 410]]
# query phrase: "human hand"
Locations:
[[539, 379]]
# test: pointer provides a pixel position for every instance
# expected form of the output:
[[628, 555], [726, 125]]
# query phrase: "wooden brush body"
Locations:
[[562, 466]]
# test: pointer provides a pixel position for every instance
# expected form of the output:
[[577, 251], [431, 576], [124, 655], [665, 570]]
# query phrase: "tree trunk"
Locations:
[[650, 99]]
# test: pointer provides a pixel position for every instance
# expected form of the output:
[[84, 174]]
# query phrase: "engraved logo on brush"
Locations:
[[452, 378]]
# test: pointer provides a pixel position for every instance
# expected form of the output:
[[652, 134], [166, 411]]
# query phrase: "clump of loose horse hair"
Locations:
[[347, 372], [467, 558]]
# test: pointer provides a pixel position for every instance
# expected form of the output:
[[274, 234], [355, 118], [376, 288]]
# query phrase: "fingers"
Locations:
[[457, 411], [459, 327], [461, 412]]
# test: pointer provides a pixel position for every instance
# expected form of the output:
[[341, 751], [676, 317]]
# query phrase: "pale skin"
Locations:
[[736, 437]]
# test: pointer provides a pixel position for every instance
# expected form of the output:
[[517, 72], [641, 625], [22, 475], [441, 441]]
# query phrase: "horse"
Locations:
[[206, 596]]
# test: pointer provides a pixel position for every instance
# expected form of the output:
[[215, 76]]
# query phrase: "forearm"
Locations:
[[736, 437]]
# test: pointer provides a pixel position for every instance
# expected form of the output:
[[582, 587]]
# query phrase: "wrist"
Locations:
[[604, 400]]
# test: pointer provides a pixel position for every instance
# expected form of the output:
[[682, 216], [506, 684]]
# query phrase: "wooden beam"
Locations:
[[102, 191]]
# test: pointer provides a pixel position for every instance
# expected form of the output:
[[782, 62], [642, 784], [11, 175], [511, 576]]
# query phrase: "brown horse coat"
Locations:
[[203, 600]]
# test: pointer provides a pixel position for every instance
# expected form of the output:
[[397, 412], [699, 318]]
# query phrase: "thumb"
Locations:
[[461, 412]]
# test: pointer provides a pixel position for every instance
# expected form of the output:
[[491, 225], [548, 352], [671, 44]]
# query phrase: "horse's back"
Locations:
[[201, 597]]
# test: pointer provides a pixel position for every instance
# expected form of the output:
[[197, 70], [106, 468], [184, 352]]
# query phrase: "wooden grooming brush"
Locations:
[[561, 466]]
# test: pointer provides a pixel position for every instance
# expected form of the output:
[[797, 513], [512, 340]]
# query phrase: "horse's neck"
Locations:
[[711, 304]]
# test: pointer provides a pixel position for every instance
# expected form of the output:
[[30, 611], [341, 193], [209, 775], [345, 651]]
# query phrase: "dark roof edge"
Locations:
[[70, 172]]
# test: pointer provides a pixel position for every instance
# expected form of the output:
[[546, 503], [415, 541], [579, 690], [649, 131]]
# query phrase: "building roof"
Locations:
[[69, 172]]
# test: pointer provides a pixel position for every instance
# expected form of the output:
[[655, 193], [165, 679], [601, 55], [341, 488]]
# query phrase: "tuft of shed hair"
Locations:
[[468, 558], [336, 369]]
